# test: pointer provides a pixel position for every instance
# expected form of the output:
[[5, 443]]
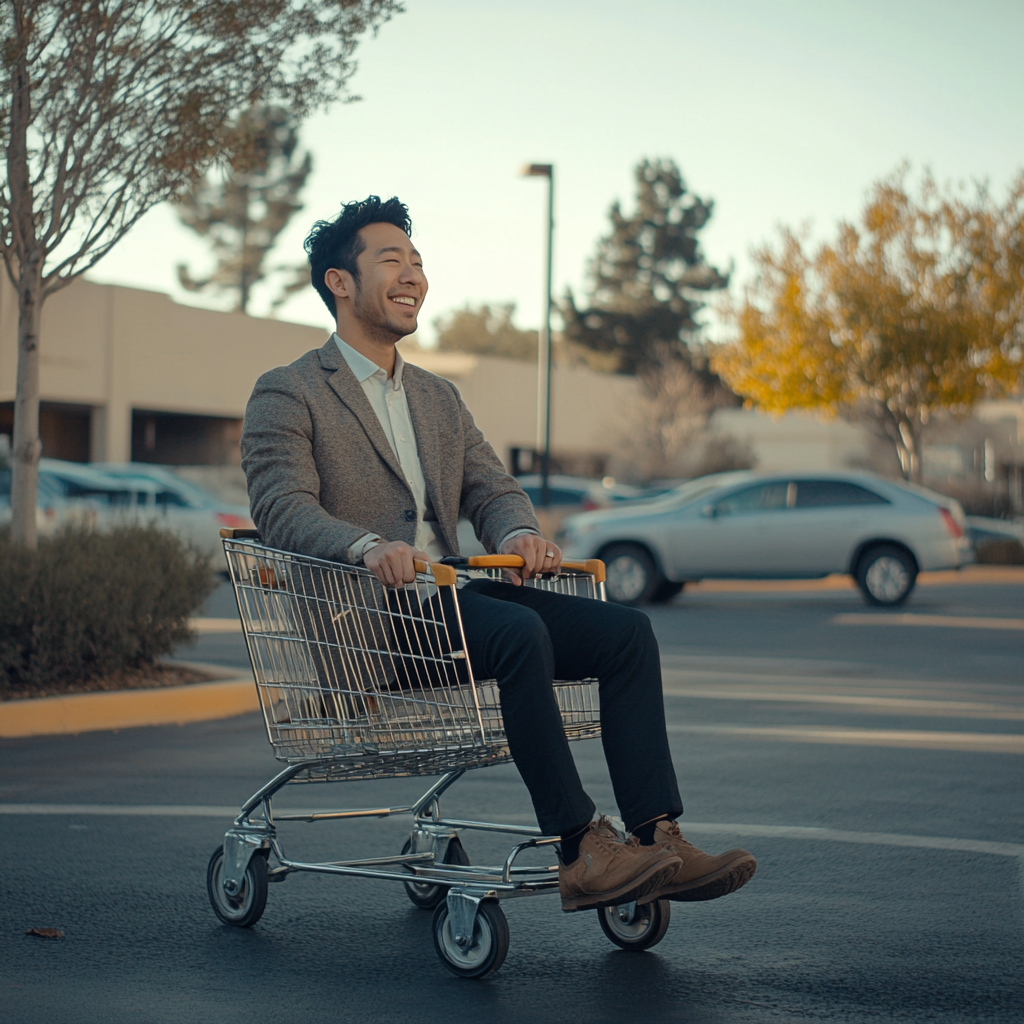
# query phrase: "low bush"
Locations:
[[1000, 552], [89, 605]]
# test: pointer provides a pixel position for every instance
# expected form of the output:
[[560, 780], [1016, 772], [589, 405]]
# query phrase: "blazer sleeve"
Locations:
[[492, 499], [281, 472]]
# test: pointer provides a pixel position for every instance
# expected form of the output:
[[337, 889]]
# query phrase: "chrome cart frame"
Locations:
[[360, 682]]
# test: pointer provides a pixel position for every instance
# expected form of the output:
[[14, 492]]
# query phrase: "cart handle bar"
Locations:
[[591, 566], [444, 575]]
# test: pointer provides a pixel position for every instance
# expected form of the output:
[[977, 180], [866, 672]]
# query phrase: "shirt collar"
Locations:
[[364, 368]]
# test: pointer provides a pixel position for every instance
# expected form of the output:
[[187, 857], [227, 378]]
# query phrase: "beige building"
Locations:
[[131, 375]]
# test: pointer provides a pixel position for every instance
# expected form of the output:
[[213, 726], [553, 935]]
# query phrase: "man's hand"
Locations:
[[538, 555], [391, 562]]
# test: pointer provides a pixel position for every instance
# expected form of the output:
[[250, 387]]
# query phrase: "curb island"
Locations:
[[232, 694]]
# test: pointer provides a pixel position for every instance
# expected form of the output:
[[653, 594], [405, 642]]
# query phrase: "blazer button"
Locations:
[[410, 515]]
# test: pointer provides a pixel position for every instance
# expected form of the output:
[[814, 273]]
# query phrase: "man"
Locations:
[[354, 456]]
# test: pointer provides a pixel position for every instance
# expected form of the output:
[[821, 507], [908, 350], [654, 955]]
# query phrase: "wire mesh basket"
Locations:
[[363, 681]]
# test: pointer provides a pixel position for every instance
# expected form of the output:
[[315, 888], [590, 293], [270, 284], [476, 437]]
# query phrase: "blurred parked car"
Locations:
[[185, 508], [69, 493], [581, 491], [982, 530], [746, 525]]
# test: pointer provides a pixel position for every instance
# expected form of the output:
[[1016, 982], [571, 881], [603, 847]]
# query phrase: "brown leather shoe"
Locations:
[[610, 870], [701, 876]]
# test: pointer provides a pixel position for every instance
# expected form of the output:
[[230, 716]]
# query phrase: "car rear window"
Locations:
[[832, 493]]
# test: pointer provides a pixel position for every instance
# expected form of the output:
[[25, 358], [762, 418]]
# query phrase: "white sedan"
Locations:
[[783, 526]]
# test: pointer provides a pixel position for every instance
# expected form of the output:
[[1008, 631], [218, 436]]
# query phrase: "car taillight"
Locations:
[[238, 522], [951, 524], [589, 505]]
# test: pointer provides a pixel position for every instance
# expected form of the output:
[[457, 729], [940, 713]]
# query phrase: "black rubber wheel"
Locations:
[[886, 575], [487, 951], [641, 929], [245, 909], [665, 591], [427, 896], [631, 575]]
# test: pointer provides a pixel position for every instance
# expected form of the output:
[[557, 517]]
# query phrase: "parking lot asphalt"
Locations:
[[876, 771]]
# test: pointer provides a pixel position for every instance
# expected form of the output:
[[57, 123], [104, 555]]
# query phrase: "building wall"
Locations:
[[129, 358]]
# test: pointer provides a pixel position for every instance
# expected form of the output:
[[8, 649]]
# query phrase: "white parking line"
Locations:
[[985, 742], [799, 832], [215, 625], [912, 619], [890, 705]]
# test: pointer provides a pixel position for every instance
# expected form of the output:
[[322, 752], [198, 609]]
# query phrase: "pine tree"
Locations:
[[647, 279], [485, 330], [243, 208]]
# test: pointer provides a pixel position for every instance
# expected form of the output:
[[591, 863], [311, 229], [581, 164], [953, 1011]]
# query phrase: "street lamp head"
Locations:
[[536, 171]]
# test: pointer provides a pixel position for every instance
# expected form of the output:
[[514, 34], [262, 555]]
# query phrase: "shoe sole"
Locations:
[[637, 888], [710, 887]]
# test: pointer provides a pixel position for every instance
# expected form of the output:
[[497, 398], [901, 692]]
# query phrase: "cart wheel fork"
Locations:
[[239, 847], [462, 910]]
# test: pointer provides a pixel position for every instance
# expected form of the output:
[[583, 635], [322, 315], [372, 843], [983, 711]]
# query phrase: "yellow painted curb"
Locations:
[[125, 709]]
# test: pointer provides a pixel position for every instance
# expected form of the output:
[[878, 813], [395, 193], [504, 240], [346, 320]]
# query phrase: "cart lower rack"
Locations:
[[357, 682]]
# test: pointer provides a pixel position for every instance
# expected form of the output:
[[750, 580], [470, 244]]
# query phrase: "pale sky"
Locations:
[[781, 112]]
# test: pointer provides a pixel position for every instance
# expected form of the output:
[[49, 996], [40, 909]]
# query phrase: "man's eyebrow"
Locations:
[[394, 248]]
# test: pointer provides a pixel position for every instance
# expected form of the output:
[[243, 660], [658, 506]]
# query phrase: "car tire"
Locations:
[[631, 576], [886, 575]]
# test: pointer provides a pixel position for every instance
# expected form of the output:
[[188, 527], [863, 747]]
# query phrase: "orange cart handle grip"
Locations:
[[444, 575], [592, 566]]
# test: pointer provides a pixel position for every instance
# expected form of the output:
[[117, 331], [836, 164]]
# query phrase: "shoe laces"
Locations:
[[672, 832]]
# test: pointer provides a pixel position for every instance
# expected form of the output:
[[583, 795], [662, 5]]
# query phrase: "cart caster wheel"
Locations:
[[635, 927], [427, 896], [245, 909], [485, 953]]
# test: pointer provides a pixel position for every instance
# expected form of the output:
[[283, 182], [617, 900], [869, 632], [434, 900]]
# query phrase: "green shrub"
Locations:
[[87, 605], [1000, 552]]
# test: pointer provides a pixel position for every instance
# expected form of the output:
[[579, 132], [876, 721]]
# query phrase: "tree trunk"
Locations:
[[28, 258], [27, 446]]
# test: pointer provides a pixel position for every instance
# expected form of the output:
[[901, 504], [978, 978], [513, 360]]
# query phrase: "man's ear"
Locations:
[[340, 283]]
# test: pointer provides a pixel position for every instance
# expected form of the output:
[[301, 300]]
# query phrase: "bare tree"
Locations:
[[668, 430], [109, 107]]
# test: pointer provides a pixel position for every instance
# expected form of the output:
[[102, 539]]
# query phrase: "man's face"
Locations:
[[392, 285]]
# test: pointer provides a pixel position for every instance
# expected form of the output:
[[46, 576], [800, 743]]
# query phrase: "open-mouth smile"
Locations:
[[404, 300]]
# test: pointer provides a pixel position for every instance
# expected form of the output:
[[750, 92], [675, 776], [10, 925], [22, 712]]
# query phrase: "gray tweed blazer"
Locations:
[[321, 472]]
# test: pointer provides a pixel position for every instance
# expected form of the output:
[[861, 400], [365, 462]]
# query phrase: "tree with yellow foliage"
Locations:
[[919, 308]]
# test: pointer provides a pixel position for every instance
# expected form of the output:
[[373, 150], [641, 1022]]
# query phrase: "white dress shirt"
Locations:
[[388, 400]]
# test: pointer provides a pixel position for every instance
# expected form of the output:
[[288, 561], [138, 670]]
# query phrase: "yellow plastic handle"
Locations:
[[444, 575]]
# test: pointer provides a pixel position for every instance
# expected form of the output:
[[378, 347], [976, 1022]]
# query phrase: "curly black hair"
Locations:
[[336, 243]]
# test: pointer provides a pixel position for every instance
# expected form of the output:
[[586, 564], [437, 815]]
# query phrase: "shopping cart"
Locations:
[[357, 681]]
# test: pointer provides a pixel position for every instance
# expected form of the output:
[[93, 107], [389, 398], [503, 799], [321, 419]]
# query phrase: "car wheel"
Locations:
[[886, 575], [631, 576]]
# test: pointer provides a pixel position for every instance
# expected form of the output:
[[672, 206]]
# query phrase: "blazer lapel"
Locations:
[[344, 384]]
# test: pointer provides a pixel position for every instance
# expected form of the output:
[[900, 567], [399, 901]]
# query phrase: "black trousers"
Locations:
[[524, 638]]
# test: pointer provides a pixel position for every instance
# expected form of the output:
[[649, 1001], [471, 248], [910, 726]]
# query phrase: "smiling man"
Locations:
[[354, 456]]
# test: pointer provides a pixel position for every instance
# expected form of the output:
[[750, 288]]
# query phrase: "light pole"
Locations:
[[544, 346]]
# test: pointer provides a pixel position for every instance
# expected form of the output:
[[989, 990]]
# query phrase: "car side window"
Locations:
[[761, 498], [834, 493], [169, 498]]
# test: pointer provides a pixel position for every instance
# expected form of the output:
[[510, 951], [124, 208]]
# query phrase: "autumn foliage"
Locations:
[[918, 308]]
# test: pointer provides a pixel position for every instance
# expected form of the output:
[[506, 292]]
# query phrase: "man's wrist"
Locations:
[[357, 552], [516, 533]]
